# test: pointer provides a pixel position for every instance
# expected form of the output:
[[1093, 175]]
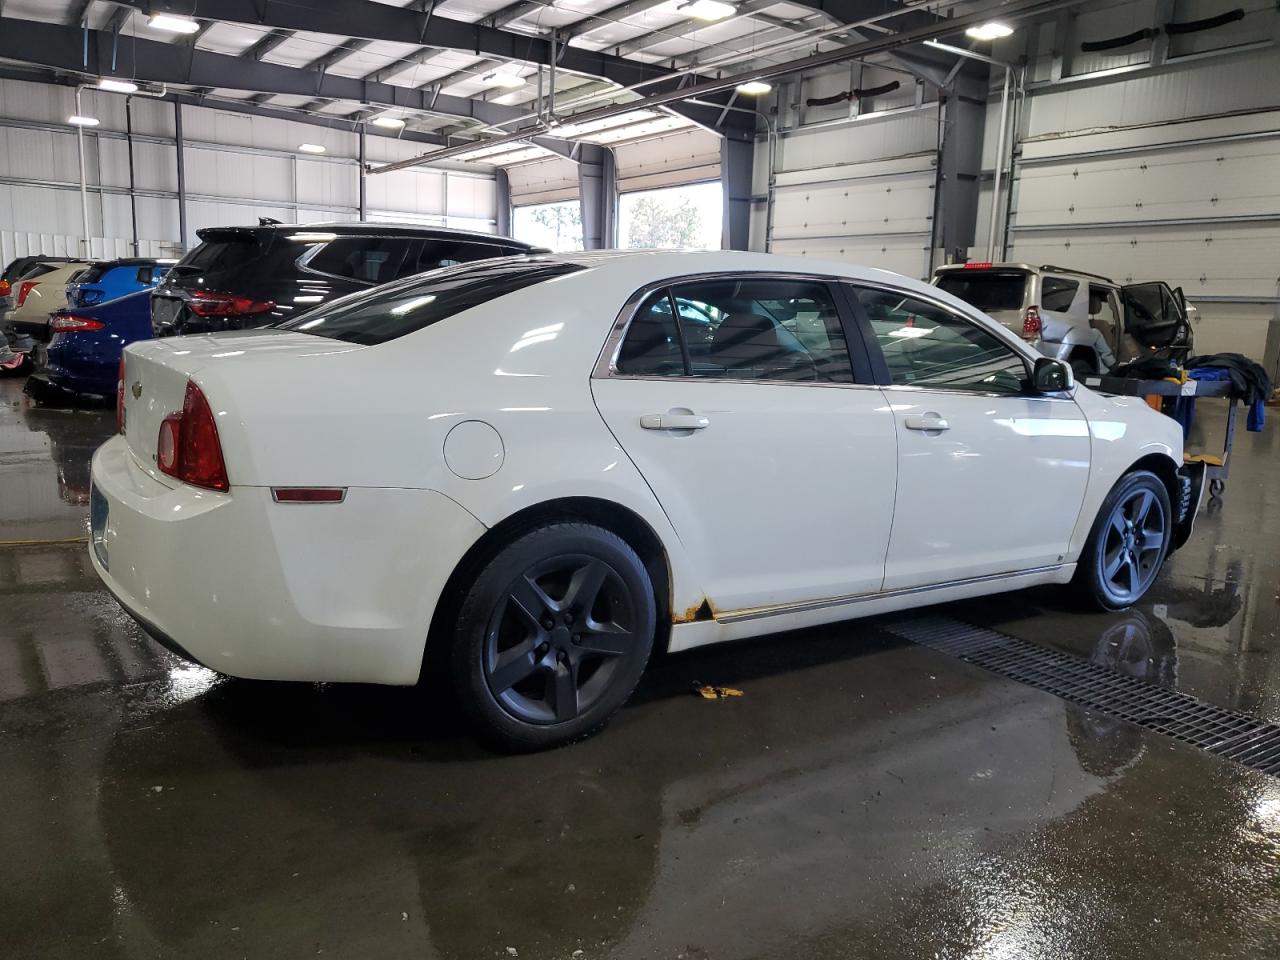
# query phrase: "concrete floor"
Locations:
[[865, 798]]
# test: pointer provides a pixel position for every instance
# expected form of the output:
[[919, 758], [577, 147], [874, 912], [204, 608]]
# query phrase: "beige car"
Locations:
[[38, 294]]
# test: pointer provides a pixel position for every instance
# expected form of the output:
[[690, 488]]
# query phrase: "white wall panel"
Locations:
[[905, 255]]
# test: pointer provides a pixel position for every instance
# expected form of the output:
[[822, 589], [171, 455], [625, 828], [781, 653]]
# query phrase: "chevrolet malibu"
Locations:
[[531, 472]]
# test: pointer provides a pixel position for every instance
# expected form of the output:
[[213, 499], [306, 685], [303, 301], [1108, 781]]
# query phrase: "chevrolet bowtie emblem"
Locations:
[[137, 389]]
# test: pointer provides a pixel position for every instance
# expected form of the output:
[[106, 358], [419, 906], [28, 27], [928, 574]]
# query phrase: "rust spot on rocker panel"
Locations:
[[698, 613]]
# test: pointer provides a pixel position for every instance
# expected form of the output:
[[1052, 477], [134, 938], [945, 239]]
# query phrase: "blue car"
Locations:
[[103, 282], [82, 360]]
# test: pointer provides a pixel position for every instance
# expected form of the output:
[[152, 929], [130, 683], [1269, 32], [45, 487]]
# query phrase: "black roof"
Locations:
[[364, 228]]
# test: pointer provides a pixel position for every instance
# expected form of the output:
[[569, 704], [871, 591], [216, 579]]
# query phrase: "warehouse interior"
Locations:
[[869, 794]]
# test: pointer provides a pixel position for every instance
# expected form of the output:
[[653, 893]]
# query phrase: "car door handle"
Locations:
[[925, 421], [674, 421]]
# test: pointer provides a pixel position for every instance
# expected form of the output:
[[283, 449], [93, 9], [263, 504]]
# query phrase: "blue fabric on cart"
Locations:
[[1257, 415]]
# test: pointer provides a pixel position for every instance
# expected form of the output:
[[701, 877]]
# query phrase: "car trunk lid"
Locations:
[[156, 374]]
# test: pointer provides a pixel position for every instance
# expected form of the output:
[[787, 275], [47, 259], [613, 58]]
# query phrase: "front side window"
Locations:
[[927, 346]]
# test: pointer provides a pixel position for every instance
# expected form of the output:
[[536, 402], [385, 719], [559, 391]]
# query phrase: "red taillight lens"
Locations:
[[69, 323], [188, 447], [1031, 324], [120, 398], [5, 288], [207, 303], [24, 290], [976, 265]]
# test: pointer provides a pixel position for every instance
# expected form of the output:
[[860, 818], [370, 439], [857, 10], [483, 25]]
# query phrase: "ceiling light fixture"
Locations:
[[508, 81], [754, 88], [311, 148], [391, 123], [171, 24], [992, 30], [78, 121], [117, 86], [707, 9]]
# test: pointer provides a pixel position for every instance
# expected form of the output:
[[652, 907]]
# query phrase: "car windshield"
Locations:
[[396, 309], [987, 290]]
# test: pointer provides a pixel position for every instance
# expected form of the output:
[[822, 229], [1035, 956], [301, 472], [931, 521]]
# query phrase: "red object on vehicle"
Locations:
[[309, 494], [120, 398], [70, 323], [209, 303], [976, 265], [5, 287], [1031, 325], [24, 290], [188, 447]]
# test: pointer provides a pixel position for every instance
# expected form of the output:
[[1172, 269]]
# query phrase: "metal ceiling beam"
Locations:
[[78, 11], [41, 75], [367, 20], [1013, 10], [268, 43], [61, 47]]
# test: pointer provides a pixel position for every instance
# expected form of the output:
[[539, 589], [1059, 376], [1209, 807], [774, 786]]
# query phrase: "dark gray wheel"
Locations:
[[553, 636], [1128, 543]]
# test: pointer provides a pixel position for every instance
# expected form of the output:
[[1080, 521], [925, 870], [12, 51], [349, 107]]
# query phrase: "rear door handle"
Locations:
[[674, 421], [928, 422]]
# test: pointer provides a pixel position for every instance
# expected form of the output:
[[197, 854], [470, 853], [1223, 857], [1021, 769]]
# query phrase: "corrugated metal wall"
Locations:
[[238, 168]]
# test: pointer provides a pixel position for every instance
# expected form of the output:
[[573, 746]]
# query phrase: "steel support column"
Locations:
[[502, 199], [736, 159], [597, 193], [182, 175]]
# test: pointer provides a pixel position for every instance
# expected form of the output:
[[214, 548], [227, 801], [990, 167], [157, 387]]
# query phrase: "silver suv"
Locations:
[[1091, 322]]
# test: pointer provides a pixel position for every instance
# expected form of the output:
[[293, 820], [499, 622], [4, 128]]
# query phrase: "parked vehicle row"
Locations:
[[556, 464]]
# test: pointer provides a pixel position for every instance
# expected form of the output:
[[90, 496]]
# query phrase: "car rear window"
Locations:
[[93, 274], [987, 290], [401, 308], [225, 252]]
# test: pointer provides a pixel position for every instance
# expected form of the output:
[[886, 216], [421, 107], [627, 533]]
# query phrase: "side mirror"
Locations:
[[1052, 376]]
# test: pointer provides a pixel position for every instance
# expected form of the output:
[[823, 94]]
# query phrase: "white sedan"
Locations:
[[532, 471]]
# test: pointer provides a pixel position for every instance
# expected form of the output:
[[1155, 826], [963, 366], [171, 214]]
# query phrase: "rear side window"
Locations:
[[988, 290], [367, 259], [1057, 293], [401, 308], [652, 344], [93, 274], [448, 253]]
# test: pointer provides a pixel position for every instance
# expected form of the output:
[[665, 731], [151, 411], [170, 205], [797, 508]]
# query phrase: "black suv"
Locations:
[[258, 276]]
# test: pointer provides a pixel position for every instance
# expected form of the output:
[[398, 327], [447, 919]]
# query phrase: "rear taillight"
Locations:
[[1031, 323], [188, 446], [70, 323], [24, 290], [120, 398], [5, 288], [207, 303]]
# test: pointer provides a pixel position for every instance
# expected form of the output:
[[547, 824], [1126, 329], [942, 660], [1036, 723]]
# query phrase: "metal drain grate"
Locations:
[[1236, 736]]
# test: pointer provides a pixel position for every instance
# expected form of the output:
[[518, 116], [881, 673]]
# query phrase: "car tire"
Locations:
[[552, 636], [1128, 543]]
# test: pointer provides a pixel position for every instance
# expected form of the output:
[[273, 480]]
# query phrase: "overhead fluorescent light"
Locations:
[[311, 148], [754, 88], [391, 123], [172, 24], [992, 30], [708, 9], [77, 121], [117, 86], [508, 81]]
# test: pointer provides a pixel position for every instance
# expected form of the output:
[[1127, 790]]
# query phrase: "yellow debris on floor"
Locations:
[[708, 692]]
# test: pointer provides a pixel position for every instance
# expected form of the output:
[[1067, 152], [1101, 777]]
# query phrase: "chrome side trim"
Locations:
[[758, 613]]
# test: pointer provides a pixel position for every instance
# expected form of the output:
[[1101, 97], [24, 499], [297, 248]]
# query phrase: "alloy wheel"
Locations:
[[558, 635], [1132, 544]]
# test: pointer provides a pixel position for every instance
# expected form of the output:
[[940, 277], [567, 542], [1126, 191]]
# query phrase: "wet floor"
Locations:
[[865, 798]]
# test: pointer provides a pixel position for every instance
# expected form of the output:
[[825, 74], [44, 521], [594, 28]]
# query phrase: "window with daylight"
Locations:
[[556, 226], [674, 218]]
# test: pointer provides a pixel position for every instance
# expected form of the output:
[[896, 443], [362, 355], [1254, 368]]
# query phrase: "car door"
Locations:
[[759, 432], [990, 477], [1154, 314]]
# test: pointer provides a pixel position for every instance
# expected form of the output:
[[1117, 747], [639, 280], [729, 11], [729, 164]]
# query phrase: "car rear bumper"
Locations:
[[257, 589]]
